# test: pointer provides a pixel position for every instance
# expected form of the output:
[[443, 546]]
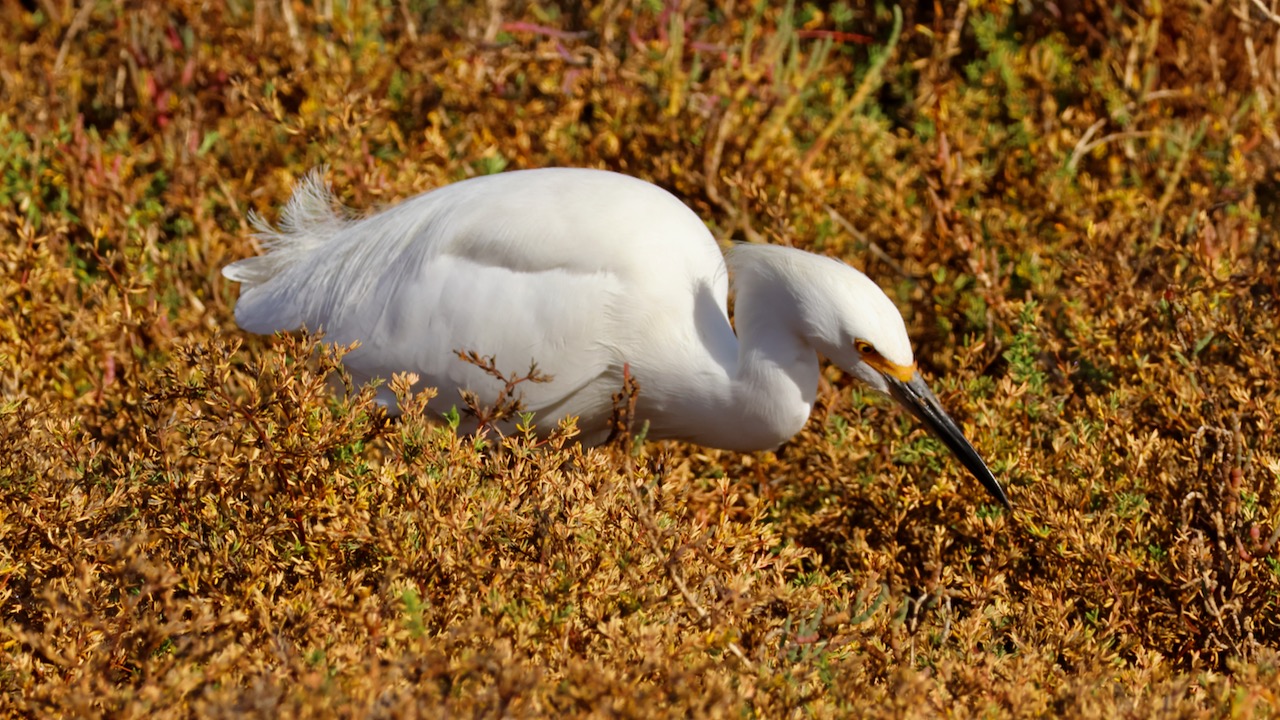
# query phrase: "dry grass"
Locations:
[[1075, 204]]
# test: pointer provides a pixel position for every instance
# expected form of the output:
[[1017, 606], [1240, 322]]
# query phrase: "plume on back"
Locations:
[[308, 221]]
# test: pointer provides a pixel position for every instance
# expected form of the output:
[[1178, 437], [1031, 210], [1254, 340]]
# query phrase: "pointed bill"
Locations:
[[916, 396]]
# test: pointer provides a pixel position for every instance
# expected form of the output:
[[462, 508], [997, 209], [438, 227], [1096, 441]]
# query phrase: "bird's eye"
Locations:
[[863, 347]]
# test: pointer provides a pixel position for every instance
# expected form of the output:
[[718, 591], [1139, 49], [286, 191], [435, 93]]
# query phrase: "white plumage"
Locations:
[[583, 272]]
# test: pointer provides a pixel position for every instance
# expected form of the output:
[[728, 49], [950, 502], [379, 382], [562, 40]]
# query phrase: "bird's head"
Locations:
[[850, 320]]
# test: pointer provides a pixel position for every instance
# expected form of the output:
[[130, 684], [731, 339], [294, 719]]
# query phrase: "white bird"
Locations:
[[587, 273]]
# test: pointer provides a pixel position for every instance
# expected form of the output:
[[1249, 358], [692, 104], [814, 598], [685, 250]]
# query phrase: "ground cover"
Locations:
[[1074, 204]]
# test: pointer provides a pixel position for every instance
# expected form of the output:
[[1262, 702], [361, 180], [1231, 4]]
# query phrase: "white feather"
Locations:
[[582, 272], [307, 222], [585, 273]]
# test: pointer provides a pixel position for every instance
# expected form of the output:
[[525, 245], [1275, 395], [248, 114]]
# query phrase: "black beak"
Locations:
[[920, 400]]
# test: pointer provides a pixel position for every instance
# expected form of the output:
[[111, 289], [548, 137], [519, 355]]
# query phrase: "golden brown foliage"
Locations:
[[1074, 203]]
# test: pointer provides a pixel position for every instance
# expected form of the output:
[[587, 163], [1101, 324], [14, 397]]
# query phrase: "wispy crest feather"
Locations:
[[310, 219]]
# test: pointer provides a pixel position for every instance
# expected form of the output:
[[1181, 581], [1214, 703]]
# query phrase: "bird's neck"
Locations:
[[767, 397]]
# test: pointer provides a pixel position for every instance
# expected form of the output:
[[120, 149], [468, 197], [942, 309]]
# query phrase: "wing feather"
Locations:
[[579, 271]]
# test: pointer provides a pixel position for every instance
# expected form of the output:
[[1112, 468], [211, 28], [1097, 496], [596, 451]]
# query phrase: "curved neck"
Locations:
[[760, 388], [772, 393]]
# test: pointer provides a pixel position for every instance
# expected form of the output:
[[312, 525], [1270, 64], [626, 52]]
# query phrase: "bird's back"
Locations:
[[577, 270]]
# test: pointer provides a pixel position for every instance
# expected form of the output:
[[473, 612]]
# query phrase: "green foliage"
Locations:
[[1024, 352]]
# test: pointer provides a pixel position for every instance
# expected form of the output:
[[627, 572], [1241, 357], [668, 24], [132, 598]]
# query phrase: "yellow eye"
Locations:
[[863, 347]]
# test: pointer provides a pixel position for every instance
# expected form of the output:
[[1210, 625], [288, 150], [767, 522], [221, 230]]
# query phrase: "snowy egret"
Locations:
[[587, 273]]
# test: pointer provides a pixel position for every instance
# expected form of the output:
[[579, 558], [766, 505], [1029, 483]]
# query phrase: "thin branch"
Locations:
[[1266, 12], [1082, 150], [872, 245], [78, 23]]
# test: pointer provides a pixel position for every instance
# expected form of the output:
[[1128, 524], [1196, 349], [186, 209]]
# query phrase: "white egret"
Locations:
[[586, 273]]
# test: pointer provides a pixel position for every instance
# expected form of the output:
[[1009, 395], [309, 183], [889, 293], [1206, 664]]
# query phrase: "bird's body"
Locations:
[[585, 273]]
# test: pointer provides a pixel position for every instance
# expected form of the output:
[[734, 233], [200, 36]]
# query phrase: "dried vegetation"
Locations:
[[1075, 203]]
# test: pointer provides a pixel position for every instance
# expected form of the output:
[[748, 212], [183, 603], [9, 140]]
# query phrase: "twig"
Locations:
[[624, 409], [411, 27], [836, 36], [871, 244], [78, 23], [1083, 145], [870, 82], [536, 29], [506, 405], [291, 22], [1266, 12], [1082, 150], [1179, 169], [957, 27]]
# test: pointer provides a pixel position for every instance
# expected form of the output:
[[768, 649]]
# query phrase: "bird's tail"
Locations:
[[309, 220]]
